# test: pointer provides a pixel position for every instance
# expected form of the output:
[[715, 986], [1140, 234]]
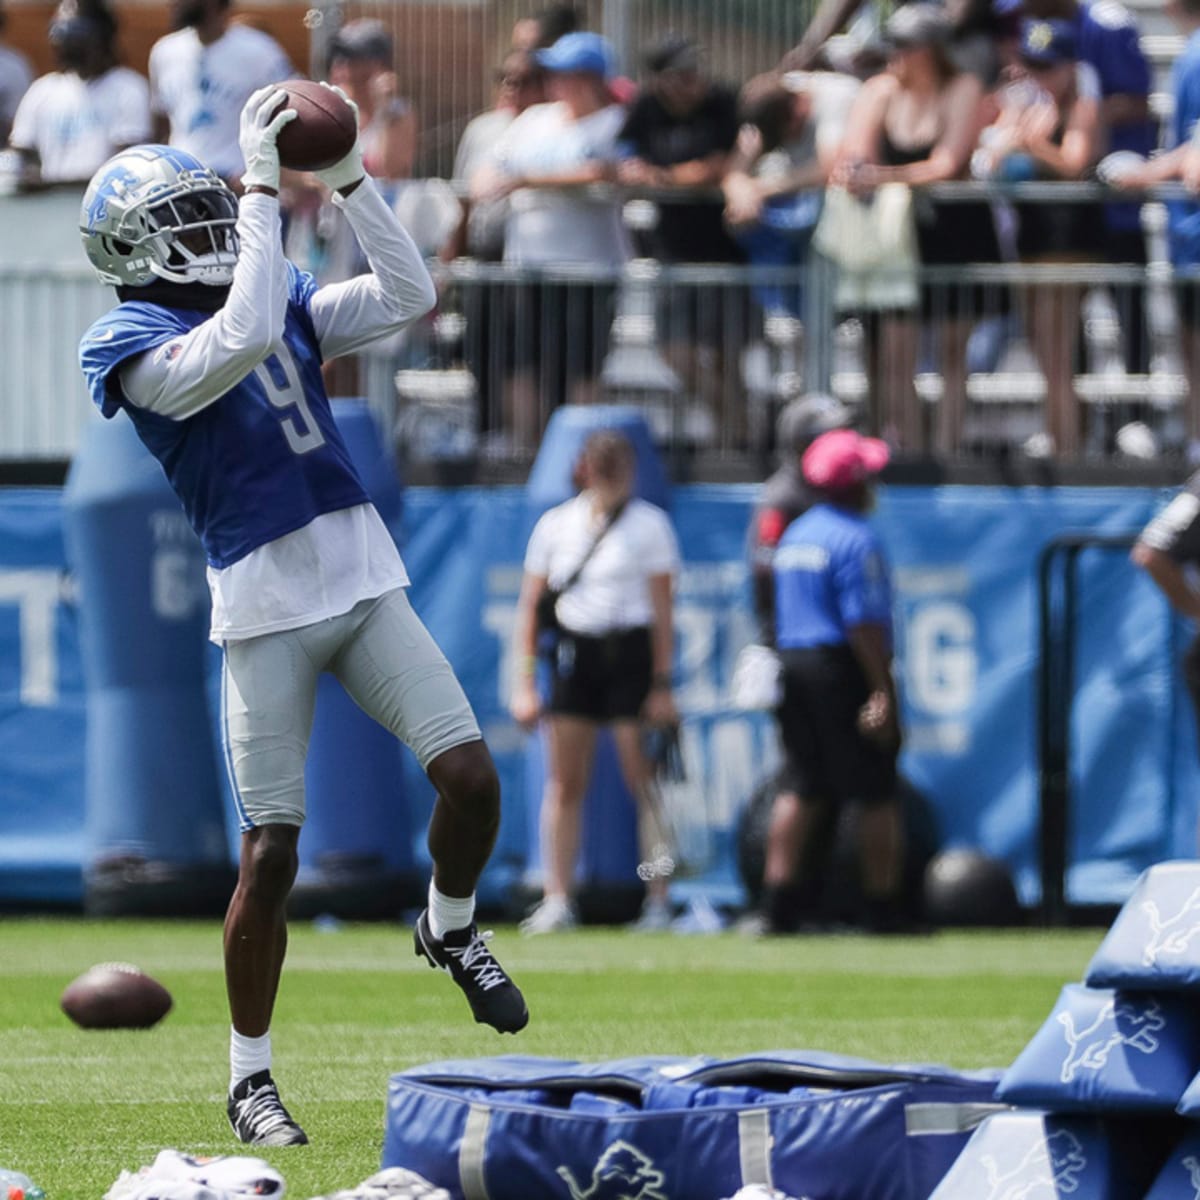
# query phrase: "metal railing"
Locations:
[[710, 352]]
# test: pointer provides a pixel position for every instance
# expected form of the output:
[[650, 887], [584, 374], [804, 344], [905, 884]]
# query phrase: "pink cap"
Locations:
[[841, 458]]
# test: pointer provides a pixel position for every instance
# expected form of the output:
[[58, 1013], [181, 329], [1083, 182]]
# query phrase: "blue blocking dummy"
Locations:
[[156, 837], [356, 855], [810, 1124], [1154, 944], [1103, 1051], [606, 875], [1022, 1155]]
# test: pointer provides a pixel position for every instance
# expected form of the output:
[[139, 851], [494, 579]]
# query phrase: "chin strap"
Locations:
[[201, 296]]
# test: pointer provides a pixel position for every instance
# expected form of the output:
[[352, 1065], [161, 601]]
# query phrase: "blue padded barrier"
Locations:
[[1179, 1178], [1028, 1155], [1102, 1051], [153, 794], [1154, 944]]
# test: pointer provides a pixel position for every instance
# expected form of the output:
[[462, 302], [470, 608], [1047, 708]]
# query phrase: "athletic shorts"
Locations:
[[387, 662], [604, 678], [825, 757]]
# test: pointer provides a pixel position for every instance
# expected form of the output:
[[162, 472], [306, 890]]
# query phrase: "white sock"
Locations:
[[449, 912], [247, 1056]]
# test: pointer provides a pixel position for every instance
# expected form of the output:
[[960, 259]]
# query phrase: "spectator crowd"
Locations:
[[834, 148]]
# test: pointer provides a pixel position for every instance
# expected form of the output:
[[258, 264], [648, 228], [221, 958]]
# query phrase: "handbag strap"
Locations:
[[613, 517]]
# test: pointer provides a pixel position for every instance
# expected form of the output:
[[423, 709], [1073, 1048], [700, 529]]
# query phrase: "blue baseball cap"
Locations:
[[1047, 43], [585, 52]]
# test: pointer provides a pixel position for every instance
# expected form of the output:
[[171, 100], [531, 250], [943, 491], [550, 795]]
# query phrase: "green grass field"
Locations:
[[355, 1005]]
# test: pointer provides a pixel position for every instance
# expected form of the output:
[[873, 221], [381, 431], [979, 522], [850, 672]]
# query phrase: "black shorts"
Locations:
[[825, 757], [559, 331], [604, 678]]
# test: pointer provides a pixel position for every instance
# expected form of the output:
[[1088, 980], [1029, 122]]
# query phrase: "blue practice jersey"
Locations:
[[1183, 216], [260, 462], [830, 575], [1108, 39]]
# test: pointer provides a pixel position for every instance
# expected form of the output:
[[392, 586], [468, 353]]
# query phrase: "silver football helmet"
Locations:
[[154, 212]]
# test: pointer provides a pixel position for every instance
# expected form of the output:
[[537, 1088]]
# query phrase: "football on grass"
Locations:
[[115, 996], [323, 131]]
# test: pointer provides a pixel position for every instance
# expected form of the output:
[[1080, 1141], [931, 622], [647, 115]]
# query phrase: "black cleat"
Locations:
[[463, 955], [258, 1116]]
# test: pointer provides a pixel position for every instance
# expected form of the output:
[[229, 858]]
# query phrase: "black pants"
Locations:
[[826, 758]]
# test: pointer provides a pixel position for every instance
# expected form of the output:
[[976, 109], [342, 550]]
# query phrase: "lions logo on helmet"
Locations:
[[153, 212]]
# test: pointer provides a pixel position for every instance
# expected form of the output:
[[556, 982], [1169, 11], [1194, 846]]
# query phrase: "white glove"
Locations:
[[262, 119], [347, 170]]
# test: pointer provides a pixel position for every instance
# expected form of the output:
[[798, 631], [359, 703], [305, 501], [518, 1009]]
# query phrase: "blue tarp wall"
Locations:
[[965, 564]]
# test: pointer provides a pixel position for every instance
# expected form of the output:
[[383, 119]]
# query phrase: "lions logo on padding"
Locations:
[[1171, 935], [1193, 1169], [623, 1173], [1050, 1169], [1123, 1024]]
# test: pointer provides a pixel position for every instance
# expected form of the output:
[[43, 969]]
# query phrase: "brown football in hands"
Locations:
[[323, 132], [115, 996]]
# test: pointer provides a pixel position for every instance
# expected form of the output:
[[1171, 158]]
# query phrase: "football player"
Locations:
[[214, 352]]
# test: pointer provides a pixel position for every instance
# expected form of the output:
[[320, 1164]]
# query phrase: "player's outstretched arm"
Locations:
[[188, 373], [350, 315]]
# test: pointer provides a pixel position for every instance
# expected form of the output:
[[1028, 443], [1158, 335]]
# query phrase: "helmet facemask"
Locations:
[[202, 242]]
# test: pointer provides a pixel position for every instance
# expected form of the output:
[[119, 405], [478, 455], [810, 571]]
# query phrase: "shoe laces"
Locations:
[[263, 1109], [476, 958]]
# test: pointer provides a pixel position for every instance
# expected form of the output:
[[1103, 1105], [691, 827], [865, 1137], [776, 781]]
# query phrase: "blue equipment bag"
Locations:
[[1030, 1154], [815, 1125], [1103, 1051], [1154, 944]]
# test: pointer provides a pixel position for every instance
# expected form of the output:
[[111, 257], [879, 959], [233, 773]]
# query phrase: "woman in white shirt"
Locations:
[[572, 240], [610, 664]]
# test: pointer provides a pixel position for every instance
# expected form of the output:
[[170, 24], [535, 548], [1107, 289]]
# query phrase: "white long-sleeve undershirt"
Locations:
[[189, 372], [326, 567]]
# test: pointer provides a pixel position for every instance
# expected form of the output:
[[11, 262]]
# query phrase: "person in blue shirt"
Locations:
[[1182, 161], [214, 353], [1108, 40], [838, 718]]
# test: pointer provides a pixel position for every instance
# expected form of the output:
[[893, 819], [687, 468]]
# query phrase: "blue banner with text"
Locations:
[[965, 568]]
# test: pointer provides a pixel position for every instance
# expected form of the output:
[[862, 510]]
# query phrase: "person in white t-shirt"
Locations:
[[611, 663], [572, 240], [15, 77], [202, 74], [73, 119]]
